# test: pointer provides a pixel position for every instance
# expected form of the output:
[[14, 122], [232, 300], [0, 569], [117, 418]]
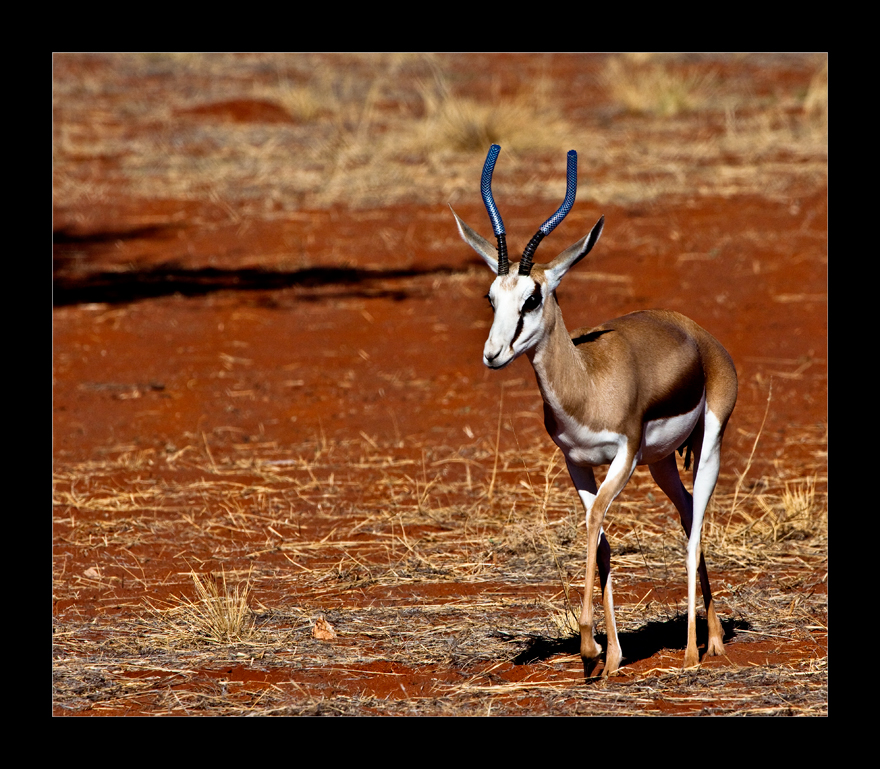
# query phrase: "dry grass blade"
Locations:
[[497, 444], [816, 101], [742, 476]]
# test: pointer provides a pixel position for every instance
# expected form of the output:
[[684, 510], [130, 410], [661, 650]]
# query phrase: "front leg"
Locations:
[[596, 503], [585, 483]]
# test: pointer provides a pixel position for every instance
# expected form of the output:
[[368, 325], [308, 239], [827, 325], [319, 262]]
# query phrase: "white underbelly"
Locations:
[[584, 446]]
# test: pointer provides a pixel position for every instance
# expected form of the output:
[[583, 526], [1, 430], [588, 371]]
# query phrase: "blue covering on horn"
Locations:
[[494, 216], [486, 189], [570, 191], [525, 264]]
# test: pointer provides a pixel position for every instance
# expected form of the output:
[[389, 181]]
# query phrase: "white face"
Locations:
[[518, 302]]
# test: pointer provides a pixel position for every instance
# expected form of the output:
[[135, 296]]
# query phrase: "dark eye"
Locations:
[[490, 301], [533, 302]]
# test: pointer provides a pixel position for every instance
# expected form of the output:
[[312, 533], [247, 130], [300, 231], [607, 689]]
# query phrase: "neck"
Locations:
[[555, 354]]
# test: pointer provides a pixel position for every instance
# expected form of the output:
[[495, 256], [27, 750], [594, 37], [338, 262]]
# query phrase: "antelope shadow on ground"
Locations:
[[637, 645]]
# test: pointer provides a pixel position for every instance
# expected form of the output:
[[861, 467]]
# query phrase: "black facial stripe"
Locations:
[[519, 327], [536, 294]]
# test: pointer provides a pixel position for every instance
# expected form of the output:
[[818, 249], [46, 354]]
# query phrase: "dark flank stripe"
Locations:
[[680, 397]]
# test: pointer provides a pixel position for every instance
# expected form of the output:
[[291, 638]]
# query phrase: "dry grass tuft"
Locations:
[[565, 620], [222, 615], [651, 85], [797, 514], [528, 121], [219, 615]]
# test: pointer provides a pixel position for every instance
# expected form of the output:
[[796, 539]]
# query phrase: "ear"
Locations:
[[477, 242], [556, 270]]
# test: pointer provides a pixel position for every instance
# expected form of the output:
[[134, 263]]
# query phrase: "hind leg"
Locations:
[[707, 465], [665, 474]]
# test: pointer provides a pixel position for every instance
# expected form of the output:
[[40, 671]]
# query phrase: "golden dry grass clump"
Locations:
[[795, 514], [220, 613], [526, 120], [646, 83]]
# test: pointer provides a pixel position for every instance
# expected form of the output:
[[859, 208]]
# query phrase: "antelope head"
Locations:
[[523, 298]]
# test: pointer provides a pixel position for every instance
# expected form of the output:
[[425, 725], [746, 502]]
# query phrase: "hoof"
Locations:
[[591, 654], [715, 648], [611, 667], [591, 667]]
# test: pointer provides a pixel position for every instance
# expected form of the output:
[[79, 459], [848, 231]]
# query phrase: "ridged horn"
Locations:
[[494, 216], [525, 265]]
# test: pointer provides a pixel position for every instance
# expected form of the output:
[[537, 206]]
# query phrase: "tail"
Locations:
[[687, 456]]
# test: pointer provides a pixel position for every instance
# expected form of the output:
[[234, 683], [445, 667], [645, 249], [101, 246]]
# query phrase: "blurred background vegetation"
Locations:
[[270, 133]]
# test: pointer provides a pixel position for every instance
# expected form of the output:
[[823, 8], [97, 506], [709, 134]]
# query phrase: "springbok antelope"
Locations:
[[628, 392]]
